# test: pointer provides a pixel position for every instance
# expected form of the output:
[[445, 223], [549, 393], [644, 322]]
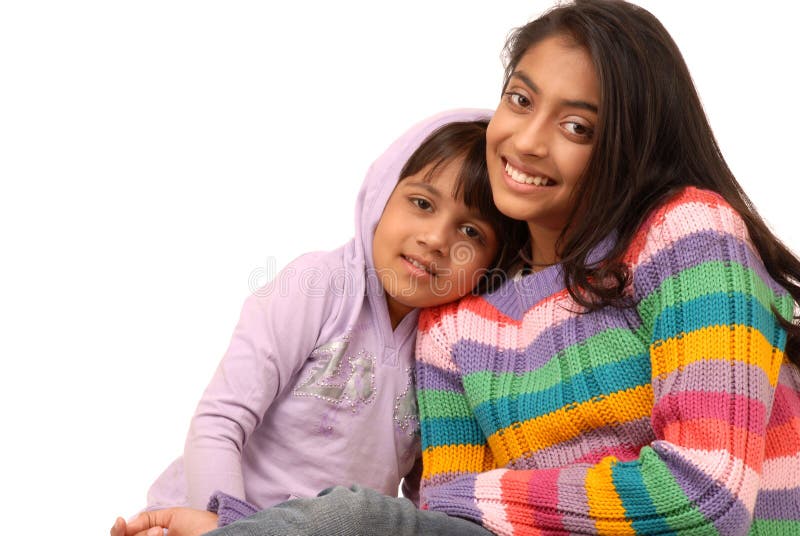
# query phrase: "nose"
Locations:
[[532, 137], [433, 236]]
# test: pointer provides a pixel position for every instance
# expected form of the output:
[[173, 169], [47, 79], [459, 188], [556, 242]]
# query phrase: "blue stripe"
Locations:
[[440, 431], [639, 507], [718, 309], [602, 380]]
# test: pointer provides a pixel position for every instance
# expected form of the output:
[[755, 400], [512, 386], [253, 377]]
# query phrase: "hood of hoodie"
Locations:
[[380, 182]]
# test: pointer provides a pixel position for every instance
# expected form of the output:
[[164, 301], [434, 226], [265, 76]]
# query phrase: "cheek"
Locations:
[[574, 163], [494, 133]]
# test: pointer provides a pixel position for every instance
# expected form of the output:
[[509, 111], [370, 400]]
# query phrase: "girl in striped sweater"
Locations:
[[641, 378], [640, 374]]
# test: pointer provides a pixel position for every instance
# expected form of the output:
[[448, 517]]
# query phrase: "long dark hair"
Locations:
[[652, 139], [467, 139]]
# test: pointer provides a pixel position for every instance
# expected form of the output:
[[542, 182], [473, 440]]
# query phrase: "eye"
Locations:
[[421, 203], [471, 232], [517, 100], [578, 130]]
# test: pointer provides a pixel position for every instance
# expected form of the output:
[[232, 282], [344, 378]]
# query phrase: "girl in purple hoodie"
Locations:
[[316, 387]]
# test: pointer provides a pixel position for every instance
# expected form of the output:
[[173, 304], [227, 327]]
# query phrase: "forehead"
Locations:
[[559, 67], [442, 175]]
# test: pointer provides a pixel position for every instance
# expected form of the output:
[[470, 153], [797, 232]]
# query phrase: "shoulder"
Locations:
[[470, 307], [471, 317], [436, 318], [316, 279], [688, 218]]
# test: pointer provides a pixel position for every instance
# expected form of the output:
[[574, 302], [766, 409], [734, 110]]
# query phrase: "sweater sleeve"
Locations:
[[454, 449], [705, 302], [276, 333]]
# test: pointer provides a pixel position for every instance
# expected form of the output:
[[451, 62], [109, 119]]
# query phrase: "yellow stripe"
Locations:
[[569, 422], [605, 505], [456, 458], [730, 343]]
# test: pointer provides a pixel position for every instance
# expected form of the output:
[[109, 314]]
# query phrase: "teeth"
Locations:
[[418, 265], [524, 178]]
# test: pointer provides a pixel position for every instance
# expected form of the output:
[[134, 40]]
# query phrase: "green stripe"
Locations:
[[713, 276], [579, 359], [435, 403], [777, 527], [668, 498]]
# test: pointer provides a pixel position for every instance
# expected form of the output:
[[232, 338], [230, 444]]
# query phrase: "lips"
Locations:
[[521, 177], [420, 265]]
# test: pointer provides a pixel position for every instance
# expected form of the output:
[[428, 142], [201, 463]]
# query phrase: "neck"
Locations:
[[397, 311], [543, 245]]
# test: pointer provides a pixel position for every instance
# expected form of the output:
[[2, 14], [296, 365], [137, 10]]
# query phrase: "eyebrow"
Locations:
[[475, 212], [424, 185], [572, 103]]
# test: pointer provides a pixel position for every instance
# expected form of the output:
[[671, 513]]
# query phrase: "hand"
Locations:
[[179, 521]]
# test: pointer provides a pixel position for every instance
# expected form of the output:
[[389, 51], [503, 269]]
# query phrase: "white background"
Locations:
[[155, 154]]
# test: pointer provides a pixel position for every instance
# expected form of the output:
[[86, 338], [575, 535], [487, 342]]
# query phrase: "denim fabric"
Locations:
[[353, 511]]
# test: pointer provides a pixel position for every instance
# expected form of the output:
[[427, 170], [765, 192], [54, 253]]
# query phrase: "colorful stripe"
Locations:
[[679, 415]]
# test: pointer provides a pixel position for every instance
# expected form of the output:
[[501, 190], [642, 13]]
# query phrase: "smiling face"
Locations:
[[430, 248], [540, 139]]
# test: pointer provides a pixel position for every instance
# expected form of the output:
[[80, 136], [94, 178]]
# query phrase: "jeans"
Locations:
[[353, 511]]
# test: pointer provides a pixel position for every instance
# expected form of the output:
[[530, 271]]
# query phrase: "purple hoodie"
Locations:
[[315, 388]]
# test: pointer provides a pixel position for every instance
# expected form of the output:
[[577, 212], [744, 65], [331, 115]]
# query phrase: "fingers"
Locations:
[[152, 531], [119, 528], [154, 519]]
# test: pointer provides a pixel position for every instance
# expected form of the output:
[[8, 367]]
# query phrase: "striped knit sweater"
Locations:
[[680, 415]]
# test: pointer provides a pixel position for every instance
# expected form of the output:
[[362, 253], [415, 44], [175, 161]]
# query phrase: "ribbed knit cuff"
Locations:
[[229, 508]]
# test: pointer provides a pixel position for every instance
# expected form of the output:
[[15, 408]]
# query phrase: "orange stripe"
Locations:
[[731, 343], [456, 459], [605, 505], [564, 424], [783, 440]]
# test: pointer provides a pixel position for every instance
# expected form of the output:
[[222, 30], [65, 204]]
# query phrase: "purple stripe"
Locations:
[[778, 504], [790, 377], [472, 356], [443, 478], [506, 300], [514, 298], [572, 500], [733, 377], [785, 406], [455, 498], [432, 377], [705, 246], [712, 499]]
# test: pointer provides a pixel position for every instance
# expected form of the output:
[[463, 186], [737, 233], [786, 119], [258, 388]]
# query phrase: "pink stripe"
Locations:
[[488, 490], [683, 220], [781, 473], [431, 353], [738, 410], [507, 335], [543, 490], [786, 405], [728, 470]]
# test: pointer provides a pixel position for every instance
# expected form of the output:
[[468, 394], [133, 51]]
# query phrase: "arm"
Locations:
[[715, 347], [277, 330], [453, 446]]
